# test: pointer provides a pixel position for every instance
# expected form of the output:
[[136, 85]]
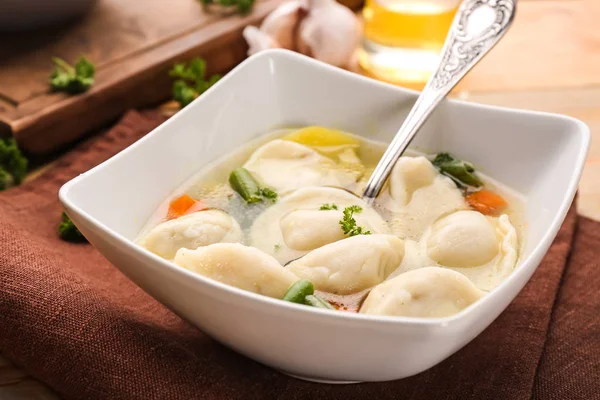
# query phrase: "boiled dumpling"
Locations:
[[463, 239], [237, 265], [429, 292], [284, 166], [191, 231], [296, 225], [485, 249], [408, 175], [351, 265], [306, 230], [418, 195]]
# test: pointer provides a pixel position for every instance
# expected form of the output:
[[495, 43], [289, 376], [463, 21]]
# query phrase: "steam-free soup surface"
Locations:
[[282, 216]]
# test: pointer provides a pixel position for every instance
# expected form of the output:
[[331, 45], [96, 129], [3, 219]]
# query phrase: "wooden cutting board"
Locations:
[[133, 45]]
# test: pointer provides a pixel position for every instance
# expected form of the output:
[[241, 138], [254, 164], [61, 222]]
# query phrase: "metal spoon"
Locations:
[[477, 27]]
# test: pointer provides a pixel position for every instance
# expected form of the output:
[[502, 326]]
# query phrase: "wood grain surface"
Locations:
[[549, 61], [133, 47]]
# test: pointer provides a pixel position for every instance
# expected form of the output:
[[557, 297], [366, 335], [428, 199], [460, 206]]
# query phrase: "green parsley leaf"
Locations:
[[328, 206], [72, 80], [69, 232], [348, 223], [268, 194], [190, 82], [13, 164], [241, 6]]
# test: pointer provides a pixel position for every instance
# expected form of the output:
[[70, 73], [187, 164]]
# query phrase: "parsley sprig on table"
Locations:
[[241, 6], [348, 223], [191, 81], [13, 164], [69, 232], [72, 80]]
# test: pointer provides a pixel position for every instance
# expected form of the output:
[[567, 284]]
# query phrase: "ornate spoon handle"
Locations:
[[477, 27]]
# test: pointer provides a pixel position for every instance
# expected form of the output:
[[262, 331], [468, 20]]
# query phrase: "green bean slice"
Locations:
[[318, 302], [298, 292]]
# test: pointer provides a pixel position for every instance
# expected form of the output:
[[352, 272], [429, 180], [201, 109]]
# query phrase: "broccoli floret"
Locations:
[[12, 163], [69, 232]]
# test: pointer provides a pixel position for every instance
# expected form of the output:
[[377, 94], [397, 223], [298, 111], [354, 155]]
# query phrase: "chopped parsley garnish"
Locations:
[[328, 206], [348, 223], [268, 194]]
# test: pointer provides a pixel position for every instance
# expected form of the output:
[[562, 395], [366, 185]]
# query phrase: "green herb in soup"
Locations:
[[284, 218], [461, 171], [326, 207], [348, 223]]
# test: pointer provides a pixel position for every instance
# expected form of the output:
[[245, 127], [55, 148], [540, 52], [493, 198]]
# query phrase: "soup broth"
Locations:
[[423, 228]]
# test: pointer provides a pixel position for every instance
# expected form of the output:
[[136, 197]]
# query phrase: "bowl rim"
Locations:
[[539, 249]]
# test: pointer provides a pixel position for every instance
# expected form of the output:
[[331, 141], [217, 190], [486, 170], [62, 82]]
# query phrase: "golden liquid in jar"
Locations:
[[417, 26]]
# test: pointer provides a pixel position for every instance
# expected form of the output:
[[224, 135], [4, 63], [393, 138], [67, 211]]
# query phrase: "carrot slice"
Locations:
[[198, 206], [486, 202], [179, 206]]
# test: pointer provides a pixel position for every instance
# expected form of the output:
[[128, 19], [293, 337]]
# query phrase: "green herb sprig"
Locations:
[[69, 232], [241, 6], [191, 81], [72, 80], [328, 206], [348, 223], [13, 164]]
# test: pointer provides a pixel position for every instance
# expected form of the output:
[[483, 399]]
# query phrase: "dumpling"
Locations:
[[306, 230], [485, 249], [191, 231], [351, 265], [418, 195], [237, 265], [285, 166], [429, 292], [296, 225], [408, 175], [463, 239]]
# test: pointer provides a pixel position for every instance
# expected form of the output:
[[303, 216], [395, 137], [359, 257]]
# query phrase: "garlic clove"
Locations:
[[282, 23], [329, 33], [258, 40]]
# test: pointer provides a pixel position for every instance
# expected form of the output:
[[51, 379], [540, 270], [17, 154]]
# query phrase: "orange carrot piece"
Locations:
[[198, 206], [486, 202], [179, 206]]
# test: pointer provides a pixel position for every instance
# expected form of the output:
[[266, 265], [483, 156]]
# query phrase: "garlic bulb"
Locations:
[[258, 40], [282, 23], [322, 29], [330, 33]]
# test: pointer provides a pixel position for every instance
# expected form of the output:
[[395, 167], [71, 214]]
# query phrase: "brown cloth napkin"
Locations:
[[73, 321]]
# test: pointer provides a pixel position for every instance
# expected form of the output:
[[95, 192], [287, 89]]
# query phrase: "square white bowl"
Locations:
[[540, 155]]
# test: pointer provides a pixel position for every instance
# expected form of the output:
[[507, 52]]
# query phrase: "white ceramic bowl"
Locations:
[[541, 155]]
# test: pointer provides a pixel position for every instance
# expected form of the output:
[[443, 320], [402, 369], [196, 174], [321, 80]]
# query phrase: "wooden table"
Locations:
[[549, 61]]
